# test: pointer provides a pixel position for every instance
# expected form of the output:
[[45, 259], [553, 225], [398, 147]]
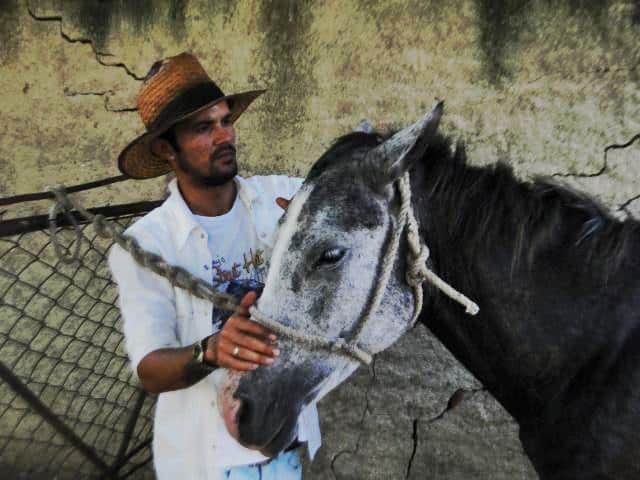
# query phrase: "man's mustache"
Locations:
[[224, 150]]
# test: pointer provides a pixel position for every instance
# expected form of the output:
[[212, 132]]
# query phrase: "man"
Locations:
[[219, 227]]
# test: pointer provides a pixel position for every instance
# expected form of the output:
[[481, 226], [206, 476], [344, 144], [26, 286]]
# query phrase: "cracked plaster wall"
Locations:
[[551, 87]]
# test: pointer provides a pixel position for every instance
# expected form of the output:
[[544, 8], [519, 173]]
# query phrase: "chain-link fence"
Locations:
[[69, 404]]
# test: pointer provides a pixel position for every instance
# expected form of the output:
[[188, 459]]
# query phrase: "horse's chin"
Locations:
[[281, 441]]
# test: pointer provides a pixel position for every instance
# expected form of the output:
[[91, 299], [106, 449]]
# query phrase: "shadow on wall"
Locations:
[[502, 23]]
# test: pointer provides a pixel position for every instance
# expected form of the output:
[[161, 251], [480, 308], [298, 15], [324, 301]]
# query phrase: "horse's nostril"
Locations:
[[244, 410], [242, 415]]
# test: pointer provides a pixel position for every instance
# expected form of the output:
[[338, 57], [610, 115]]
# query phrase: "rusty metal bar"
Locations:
[[34, 402], [16, 226], [146, 443], [136, 467], [29, 197], [120, 461]]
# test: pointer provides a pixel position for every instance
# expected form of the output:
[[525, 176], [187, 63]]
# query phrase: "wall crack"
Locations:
[[624, 205], [105, 94], [85, 41], [455, 400], [414, 436], [460, 395], [605, 165], [365, 411]]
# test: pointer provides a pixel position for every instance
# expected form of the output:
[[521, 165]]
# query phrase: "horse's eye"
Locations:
[[331, 256]]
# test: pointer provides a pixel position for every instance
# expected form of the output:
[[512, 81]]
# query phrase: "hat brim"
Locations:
[[139, 162]]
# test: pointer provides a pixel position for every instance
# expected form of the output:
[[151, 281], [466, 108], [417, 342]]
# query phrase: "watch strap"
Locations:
[[203, 347]]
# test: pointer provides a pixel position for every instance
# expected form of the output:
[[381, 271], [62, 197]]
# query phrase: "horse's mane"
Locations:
[[538, 210], [344, 147], [542, 211]]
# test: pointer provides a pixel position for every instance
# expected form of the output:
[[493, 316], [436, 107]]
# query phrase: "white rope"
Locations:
[[339, 345], [417, 270]]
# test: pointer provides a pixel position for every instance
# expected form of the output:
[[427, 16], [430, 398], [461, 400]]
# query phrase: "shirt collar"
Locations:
[[186, 222], [247, 193]]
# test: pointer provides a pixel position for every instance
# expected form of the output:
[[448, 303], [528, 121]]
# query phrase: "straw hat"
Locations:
[[175, 88]]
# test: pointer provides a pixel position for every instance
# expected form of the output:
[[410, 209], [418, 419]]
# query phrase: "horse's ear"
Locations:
[[416, 147], [391, 159]]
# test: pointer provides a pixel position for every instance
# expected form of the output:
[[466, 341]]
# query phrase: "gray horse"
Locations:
[[557, 340]]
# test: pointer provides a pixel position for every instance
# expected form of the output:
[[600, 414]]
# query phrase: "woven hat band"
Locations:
[[186, 102]]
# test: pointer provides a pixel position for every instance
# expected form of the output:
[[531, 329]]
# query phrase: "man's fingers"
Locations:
[[243, 308], [283, 203], [246, 350], [248, 326], [240, 321], [247, 342], [229, 361], [249, 299], [243, 324], [248, 355]]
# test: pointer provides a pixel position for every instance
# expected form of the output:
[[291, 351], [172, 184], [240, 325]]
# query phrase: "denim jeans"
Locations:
[[285, 466]]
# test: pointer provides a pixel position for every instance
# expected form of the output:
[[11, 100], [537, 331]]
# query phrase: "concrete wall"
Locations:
[[546, 86]]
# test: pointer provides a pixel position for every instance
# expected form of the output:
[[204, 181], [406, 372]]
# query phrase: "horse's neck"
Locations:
[[529, 339]]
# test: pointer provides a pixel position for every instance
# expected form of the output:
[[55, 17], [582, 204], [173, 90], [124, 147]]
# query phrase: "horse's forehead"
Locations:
[[341, 202]]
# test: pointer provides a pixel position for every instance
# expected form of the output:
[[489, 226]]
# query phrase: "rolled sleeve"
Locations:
[[147, 306]]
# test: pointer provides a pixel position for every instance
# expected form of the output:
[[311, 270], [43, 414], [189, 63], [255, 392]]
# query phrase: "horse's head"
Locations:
[[325, 268]]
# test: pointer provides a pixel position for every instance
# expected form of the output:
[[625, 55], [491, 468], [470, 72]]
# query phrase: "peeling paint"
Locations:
[[500, 25], [9, 30], [287, 64], [99, 19]]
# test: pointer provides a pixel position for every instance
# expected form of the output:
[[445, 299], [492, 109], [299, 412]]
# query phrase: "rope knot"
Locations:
[[63, 206], [417, 271]]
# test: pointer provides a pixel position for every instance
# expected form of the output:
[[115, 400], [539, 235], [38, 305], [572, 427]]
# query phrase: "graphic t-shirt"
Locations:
[[238, 265]]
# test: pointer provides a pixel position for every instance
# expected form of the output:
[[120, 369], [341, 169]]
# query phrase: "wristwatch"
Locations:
[[198, 353]]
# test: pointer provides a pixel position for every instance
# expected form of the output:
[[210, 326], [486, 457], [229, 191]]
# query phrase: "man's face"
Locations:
[[207, 142]]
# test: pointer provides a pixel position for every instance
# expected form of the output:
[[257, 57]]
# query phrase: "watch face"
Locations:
[[198, 354]]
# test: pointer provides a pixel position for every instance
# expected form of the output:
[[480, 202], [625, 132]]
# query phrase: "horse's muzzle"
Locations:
[[261, 410]]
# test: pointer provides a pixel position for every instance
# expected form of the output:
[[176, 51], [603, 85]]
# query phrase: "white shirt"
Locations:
[[190, 439]]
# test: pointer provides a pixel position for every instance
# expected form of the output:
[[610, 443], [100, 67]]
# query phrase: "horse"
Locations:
[[556, 277]]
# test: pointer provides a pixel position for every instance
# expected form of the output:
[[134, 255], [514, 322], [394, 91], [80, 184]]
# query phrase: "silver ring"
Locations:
[[236, 351]]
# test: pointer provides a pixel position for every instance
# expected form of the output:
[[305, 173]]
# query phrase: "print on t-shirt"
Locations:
[[237, 279]]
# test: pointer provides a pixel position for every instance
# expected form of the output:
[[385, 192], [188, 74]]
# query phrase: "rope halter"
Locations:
[[417, 273]]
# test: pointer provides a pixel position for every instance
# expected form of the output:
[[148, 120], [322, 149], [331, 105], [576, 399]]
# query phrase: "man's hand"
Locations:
[[242, 344], [283, 203]]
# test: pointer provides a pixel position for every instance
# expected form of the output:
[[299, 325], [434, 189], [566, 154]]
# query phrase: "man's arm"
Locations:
[[148, 308], [170, 369]]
